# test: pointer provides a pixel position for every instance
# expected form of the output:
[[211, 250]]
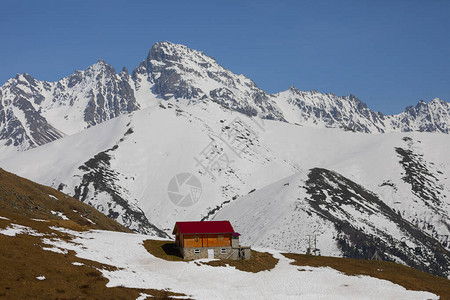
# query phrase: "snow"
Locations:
[[59, 214], [87, 219], [41, 277], [54, 249], [3, 218], [53, 197], [75, 263], [15, 229], [139, 269]]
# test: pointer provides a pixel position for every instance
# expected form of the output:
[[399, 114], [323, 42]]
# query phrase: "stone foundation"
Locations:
[[227, 253]]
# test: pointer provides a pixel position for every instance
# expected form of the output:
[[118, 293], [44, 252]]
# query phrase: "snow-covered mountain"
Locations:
[[328, 110], [182, 138], [35, 112]]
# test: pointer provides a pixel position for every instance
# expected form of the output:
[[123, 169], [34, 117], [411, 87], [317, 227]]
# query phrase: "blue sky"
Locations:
[[388, 53]]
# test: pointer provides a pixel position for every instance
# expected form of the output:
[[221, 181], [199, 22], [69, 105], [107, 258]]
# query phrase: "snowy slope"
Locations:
[[139, 269], [322, 212], [145, 154]]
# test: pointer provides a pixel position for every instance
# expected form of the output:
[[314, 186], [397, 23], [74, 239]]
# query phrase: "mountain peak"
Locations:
[[168, 51], [101, 65]]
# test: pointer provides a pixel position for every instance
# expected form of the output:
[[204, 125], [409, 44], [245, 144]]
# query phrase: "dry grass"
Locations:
[[23, 197], [163, 249], [259, 261], [407, 277]]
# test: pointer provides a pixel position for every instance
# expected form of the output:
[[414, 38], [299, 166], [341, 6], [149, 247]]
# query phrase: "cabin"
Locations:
[[209, 239]]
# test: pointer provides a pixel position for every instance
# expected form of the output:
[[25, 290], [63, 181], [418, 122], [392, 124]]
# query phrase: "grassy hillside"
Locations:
[[19, 196], [23, 260]]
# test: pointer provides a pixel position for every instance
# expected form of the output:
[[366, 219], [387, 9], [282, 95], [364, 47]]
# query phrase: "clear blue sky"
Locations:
[[388, 53]]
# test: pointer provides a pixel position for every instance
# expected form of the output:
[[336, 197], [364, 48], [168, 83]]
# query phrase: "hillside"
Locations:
[[22, 198], [79, 264], [31, 217]]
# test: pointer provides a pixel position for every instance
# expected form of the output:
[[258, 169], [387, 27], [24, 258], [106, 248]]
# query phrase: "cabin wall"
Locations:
[[206, 240]]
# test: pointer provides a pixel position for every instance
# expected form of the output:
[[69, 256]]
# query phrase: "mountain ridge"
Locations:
[[34, 112]]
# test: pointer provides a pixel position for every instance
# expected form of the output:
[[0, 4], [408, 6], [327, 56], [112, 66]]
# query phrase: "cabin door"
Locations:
[[210, 253]]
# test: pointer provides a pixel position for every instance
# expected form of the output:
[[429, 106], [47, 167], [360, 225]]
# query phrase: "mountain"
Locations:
[[337, 217], [182, 73], [328, 110], [34, 112]]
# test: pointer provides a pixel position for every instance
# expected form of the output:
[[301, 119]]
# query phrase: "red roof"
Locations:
[[202, 227]]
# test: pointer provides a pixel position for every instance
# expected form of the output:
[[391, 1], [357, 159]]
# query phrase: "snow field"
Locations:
[[139, 269]]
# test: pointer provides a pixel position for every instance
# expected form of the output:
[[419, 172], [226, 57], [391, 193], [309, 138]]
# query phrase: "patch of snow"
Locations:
[[87, 219], [56, 250], [40, 277], [15, 229], [53, 197], [75, 263], [3, 218], [59, 214], [53, 242]]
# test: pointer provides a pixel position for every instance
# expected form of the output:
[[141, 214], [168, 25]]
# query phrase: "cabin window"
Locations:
[[223, 251], [196, 238], [196, 251], [220, 237]]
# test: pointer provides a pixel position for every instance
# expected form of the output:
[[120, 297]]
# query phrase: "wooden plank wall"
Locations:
[[207, 240]]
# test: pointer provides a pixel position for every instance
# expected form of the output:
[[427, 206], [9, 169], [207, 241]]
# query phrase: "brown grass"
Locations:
[[23, 197], [407, 277], [259, 261], [163, 249]]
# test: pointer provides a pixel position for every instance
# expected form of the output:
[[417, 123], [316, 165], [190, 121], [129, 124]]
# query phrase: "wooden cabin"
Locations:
[[209, 239]]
